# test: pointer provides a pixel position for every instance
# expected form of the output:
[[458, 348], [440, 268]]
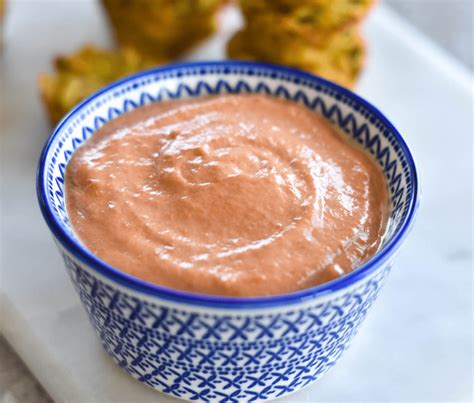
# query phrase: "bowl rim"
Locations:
[[216, 301]]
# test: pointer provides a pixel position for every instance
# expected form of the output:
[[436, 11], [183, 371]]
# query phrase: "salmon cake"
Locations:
[[324, 14], [161, 28], [79, 74], [339, 59]]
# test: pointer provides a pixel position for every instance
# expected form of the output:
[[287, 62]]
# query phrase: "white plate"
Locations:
[[415, 344]]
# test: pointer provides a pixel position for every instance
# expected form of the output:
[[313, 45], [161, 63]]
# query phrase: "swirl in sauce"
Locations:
[[239, 195]]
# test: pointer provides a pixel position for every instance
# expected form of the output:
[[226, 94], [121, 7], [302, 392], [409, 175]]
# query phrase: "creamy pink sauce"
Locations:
[[239, 195]]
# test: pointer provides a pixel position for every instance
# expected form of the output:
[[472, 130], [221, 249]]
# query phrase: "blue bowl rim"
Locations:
[[216, 301]]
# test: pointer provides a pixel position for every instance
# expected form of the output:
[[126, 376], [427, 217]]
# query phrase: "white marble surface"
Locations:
[[16, 383], [417, 342], [448, 22]]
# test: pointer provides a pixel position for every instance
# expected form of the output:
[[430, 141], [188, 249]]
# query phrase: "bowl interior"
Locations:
[[350, 114]]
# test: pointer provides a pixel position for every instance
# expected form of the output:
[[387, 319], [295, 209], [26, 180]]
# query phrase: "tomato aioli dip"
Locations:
[[237, 195]]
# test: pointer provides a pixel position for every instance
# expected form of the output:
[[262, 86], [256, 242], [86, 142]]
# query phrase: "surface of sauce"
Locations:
[[238, 195]]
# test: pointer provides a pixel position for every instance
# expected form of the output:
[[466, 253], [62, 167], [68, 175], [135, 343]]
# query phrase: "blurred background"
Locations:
[[448, 23]]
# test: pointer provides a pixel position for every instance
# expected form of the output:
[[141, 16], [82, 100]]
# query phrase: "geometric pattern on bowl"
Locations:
[[225, 358]]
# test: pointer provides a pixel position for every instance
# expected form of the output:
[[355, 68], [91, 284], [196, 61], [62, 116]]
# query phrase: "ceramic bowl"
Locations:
[[211, 348]]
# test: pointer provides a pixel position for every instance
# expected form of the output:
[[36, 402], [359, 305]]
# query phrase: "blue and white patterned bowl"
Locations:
[[210, 348]]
